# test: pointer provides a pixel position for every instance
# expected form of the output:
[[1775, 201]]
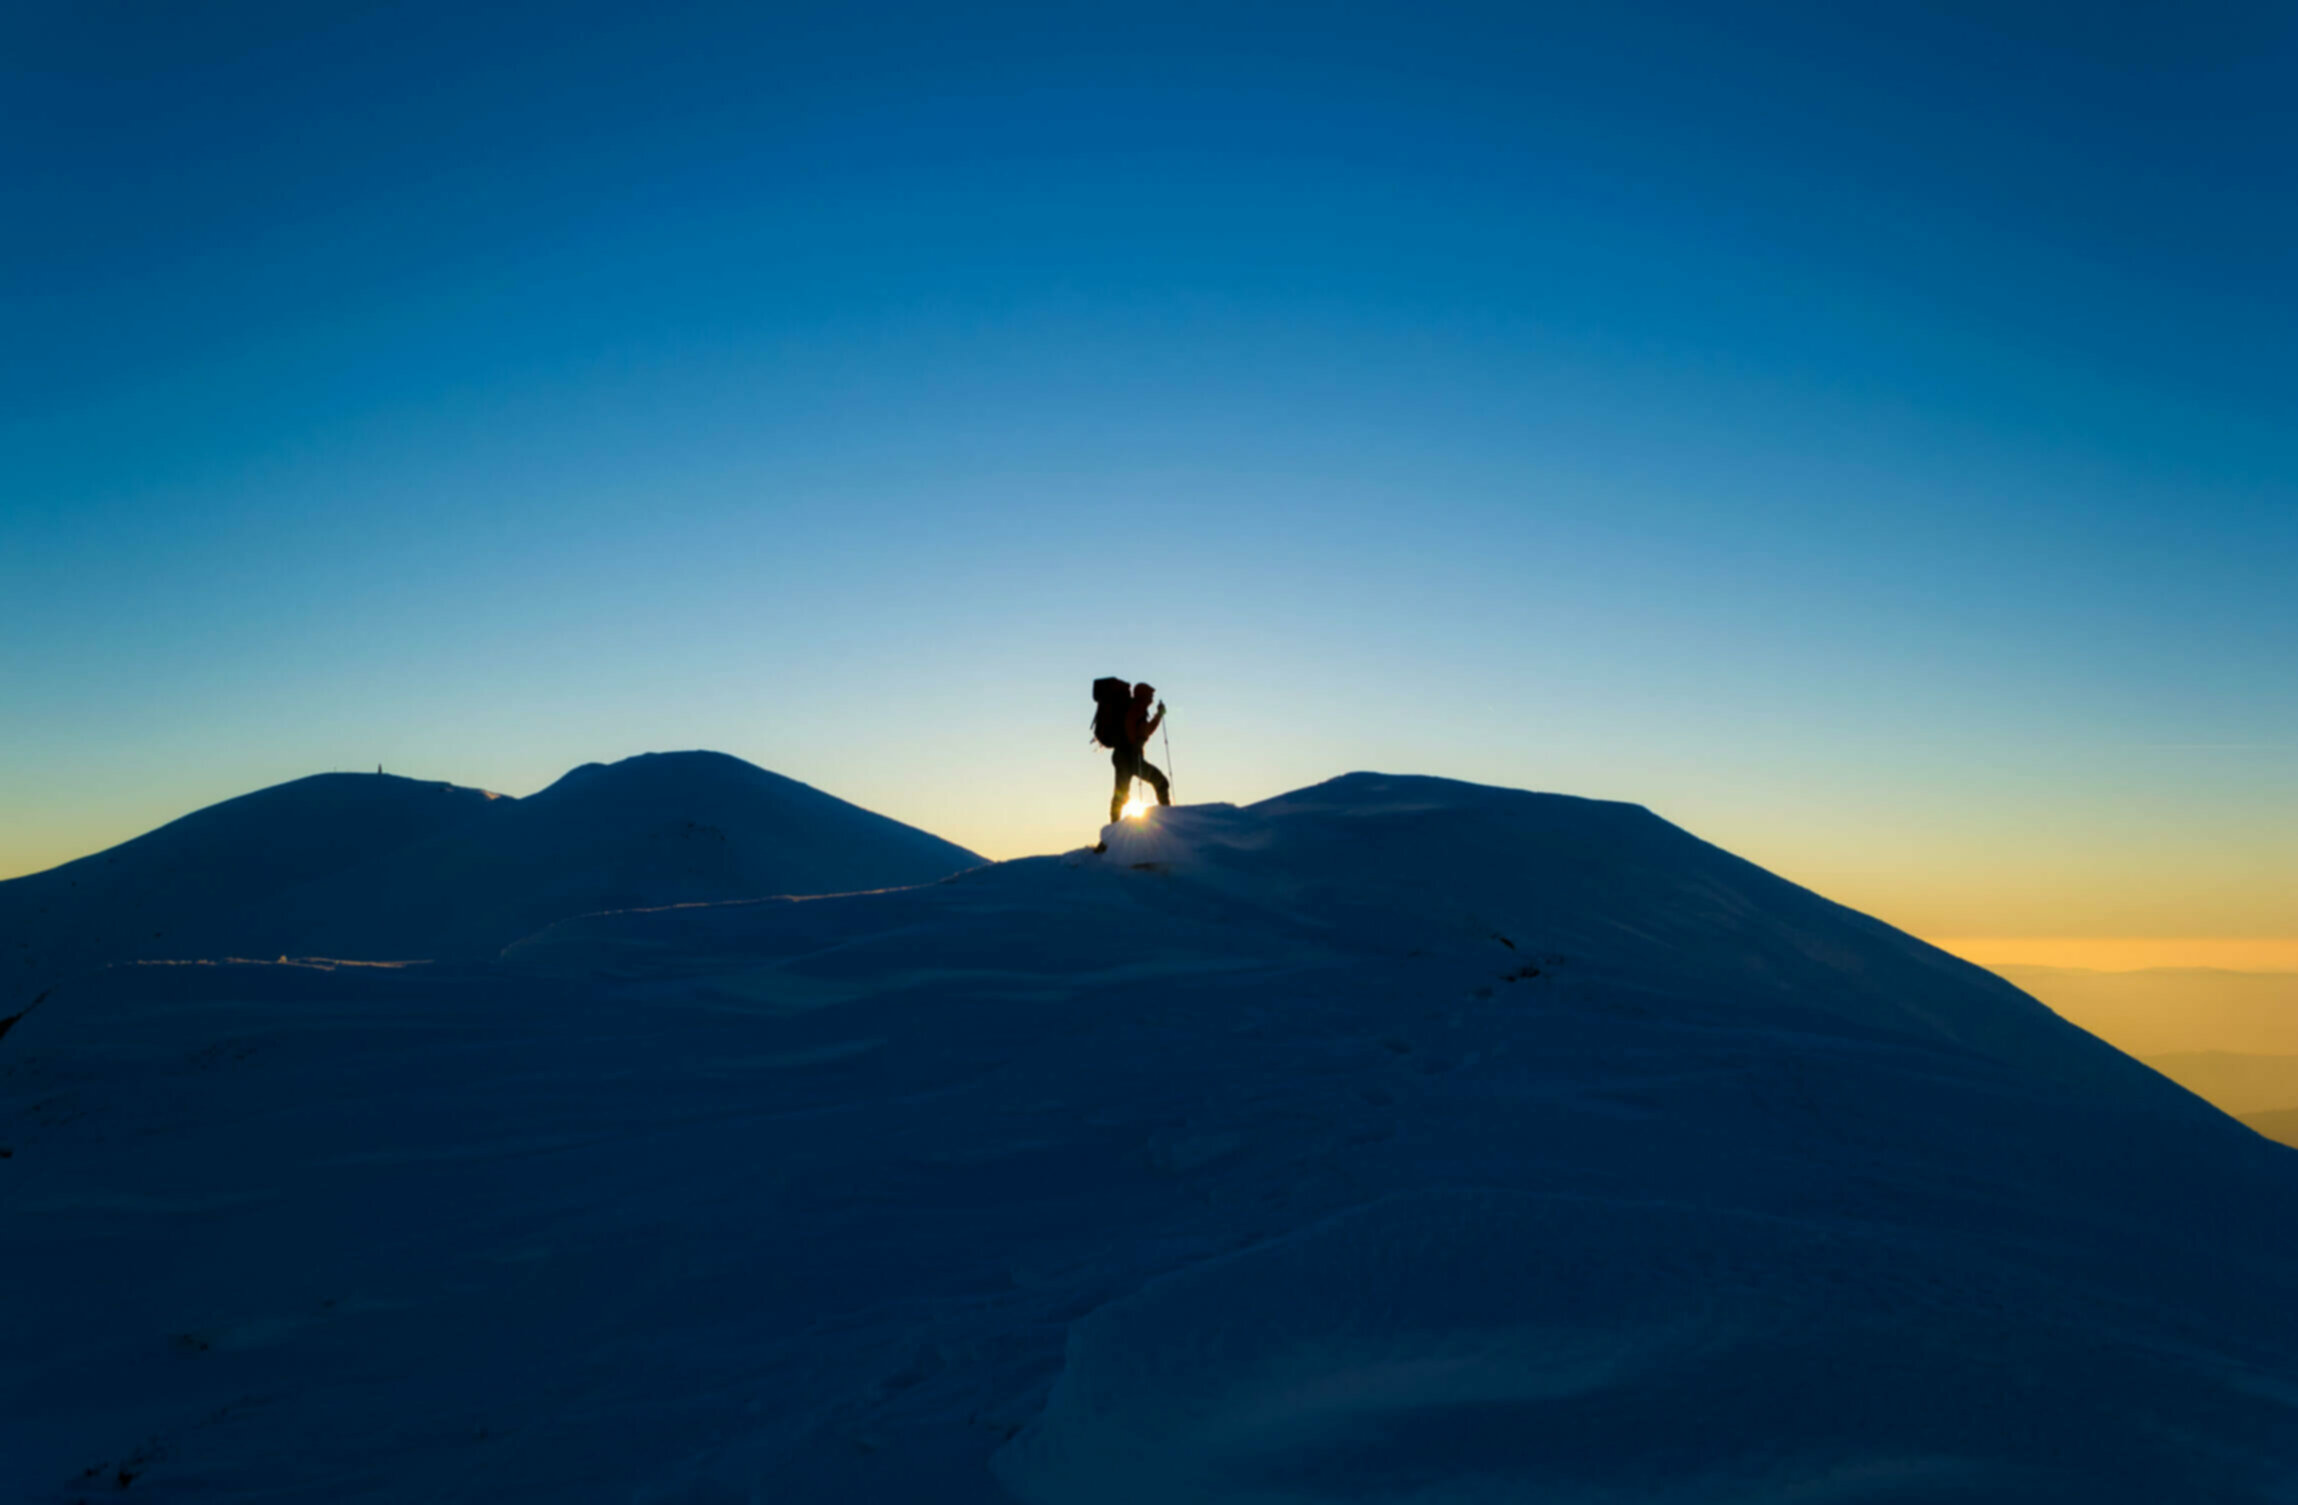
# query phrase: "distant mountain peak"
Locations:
[[372, 866], [667, 772]]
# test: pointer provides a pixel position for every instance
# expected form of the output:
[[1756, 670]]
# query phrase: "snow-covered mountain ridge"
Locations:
[[376, 867], [1396, 1139], [201, 885]]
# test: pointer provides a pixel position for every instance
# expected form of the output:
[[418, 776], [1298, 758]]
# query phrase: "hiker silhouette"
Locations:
[[1122, 723]]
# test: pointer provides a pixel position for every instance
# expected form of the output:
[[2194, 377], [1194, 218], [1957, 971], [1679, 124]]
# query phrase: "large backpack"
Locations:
[[1112, 700]]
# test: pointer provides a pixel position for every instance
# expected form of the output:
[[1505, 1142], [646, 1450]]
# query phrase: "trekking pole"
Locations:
[[1168, 729]]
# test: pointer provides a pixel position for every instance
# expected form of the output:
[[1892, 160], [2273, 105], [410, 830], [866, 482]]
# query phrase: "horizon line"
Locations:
[[2092, 953]]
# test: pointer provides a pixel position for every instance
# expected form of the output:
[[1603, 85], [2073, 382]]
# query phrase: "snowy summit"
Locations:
[[1394, 1140]]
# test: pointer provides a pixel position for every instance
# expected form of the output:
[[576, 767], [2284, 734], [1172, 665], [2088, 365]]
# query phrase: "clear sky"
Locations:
[[1862, 433]]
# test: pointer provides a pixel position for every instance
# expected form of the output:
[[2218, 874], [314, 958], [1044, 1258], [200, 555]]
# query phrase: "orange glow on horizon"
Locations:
[[2128, 953]]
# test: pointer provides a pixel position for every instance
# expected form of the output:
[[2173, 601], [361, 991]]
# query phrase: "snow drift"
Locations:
[[372, 867], [1393, 1140]]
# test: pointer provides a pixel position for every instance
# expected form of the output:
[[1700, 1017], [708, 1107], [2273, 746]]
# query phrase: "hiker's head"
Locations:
[[1144, 693]]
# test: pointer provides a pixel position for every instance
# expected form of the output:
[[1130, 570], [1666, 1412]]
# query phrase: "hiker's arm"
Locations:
[[1155, 722]]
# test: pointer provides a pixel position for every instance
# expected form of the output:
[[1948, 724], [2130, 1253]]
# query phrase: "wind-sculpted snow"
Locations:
[[1393, 1140], [1495, 1345]]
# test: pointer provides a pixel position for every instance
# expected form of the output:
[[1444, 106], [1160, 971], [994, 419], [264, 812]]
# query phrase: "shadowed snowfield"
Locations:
[[1393, 1140]]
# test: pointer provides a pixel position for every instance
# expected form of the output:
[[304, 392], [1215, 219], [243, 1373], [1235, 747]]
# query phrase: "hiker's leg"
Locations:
[[1124, 766], [1156, 778]]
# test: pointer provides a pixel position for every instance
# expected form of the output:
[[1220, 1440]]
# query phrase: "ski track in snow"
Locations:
[[1395, 1140]]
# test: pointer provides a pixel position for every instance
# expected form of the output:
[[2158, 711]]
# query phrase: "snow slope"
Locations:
[[186, 888], [1395, 1140], [373, 867]]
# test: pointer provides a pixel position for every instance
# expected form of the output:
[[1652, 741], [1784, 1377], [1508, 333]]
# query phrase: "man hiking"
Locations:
[[1122, 723]]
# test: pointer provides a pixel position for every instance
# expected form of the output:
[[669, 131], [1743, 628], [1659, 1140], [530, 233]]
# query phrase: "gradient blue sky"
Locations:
[[1862, 433]]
